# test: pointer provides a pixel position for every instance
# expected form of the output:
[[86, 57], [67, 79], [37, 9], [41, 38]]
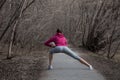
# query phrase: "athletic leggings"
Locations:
[[66, 50]]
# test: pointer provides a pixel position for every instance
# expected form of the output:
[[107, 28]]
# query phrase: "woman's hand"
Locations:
[[52, 44]]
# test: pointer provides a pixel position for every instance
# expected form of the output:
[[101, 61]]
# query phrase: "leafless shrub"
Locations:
[[103, 28], [91, 23]]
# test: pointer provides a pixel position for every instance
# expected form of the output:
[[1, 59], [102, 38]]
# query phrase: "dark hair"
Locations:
[[59, 31]]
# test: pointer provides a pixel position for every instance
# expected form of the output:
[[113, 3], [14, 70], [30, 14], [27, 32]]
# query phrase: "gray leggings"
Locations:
[[66, 50]]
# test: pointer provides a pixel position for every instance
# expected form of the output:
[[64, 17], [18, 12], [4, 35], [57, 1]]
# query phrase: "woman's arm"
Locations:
[[47, 43]]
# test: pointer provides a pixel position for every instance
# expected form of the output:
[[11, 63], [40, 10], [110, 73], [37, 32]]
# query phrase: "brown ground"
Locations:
[[22, 67]]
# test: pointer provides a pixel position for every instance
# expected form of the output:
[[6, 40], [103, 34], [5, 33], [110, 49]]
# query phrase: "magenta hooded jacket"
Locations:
[[58, 39]]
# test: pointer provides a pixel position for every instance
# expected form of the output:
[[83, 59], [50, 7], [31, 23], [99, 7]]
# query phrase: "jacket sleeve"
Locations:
[[47, 43]]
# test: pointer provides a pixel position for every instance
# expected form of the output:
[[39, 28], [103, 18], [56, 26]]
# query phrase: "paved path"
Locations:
[[66, 68]]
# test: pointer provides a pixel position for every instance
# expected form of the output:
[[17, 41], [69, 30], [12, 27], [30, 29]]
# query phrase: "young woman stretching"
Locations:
[[59, 45]]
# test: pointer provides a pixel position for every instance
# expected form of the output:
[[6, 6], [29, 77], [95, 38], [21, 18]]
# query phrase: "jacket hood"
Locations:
[[59, 35]]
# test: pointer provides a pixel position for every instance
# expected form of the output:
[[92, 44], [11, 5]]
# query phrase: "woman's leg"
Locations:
[[75, 56], [81, 60], [52, 52], [50, 58], [50, 61]]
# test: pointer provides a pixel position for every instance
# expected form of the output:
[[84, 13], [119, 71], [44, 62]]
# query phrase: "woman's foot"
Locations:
[[90, 67], [50, 67]]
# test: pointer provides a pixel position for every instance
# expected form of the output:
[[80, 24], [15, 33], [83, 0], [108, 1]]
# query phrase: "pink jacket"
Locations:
[[58, 39]]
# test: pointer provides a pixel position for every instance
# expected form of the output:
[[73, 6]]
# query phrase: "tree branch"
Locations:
[[2, 2], [28, 5]]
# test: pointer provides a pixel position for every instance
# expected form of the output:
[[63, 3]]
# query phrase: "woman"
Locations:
[[59, 45]]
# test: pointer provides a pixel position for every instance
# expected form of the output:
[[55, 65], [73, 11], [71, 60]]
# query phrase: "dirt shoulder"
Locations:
[[109, 68], [23, 67]]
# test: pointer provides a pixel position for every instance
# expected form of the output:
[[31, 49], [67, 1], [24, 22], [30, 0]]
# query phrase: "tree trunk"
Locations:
[[13, 31]]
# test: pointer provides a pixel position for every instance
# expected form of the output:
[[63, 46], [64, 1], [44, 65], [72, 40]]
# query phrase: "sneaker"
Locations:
[[50, 67], [90, 67]]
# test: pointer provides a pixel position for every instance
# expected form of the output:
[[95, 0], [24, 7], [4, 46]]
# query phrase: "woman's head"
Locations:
[[59, 31]]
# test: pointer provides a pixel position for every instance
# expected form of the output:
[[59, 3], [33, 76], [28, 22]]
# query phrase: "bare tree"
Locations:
[[23, 8]]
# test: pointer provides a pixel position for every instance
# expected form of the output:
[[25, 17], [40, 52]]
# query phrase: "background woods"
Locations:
[[94, 24]]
